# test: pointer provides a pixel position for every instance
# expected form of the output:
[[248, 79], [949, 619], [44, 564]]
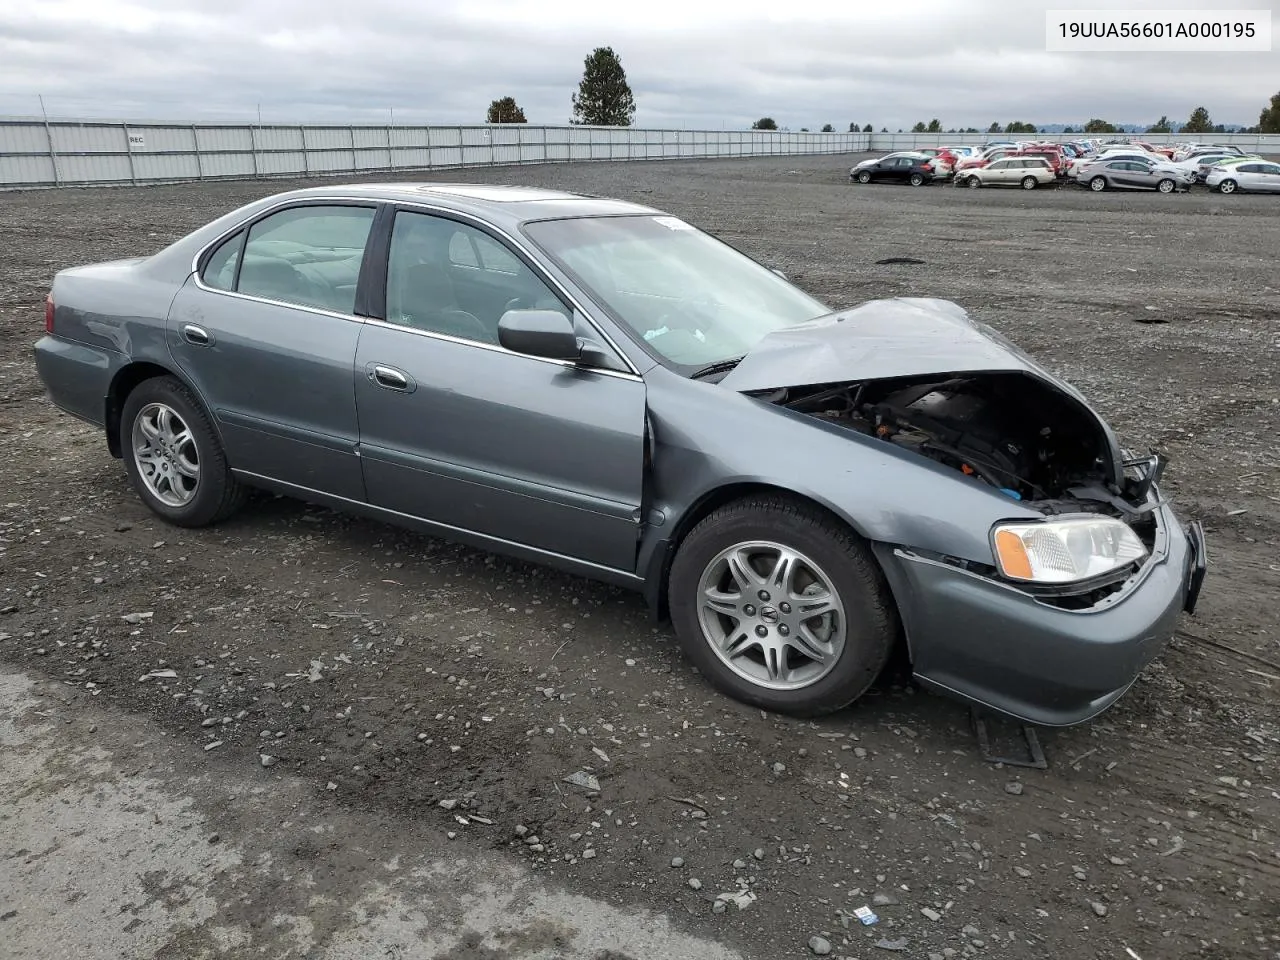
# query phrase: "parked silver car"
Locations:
[[1254, 176], [1025, 172], [1133, 175], [603, 387]]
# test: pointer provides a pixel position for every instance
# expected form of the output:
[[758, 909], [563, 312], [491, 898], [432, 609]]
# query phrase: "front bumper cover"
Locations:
[[997, 646]]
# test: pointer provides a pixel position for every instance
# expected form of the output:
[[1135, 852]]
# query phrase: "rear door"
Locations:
[[1269, 177], [266, 331], [457, 430]]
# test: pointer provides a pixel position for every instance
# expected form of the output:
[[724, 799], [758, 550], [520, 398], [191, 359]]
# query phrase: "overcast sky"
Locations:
[[690, 63]]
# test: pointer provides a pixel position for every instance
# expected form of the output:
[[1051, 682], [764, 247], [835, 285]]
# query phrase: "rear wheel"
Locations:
[[1166, 186], [780, 607], [1098, 184], [173, 457], [1227, 186], [916, 179], [864, 177], [1030, 183]]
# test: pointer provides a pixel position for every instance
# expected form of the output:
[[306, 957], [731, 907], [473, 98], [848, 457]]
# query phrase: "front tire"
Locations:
[[864, 177], [974, 182], [173, 457], [1098, 184], [781, 608], [1227, 186]]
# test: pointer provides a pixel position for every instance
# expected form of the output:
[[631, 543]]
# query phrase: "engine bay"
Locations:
[[1015, 433]]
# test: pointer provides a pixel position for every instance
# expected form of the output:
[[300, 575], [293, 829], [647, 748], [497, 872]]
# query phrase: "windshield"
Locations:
[[694, 300]]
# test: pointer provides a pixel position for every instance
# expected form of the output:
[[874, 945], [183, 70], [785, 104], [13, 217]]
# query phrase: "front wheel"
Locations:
[[1227, 186], [916, 180], [173, 457], [1098, 184], [1166, 186], [864, 177], [974, 182], [780, 607], [1030, 183]]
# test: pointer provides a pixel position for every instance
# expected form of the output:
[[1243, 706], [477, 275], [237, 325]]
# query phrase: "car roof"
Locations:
[[508, 203]]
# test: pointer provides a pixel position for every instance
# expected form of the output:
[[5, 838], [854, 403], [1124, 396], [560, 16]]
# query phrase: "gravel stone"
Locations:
[[677, 862], [819, 946]]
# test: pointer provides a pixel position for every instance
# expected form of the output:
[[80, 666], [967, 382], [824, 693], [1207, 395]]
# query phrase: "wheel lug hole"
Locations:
[[764, 596], [749, 610], [762, 631]]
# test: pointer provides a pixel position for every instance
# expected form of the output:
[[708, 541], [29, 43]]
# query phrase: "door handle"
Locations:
[[198, 336], [391, 378]]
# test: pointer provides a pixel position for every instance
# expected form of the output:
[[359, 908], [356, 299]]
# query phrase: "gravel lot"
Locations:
[[425, 683]]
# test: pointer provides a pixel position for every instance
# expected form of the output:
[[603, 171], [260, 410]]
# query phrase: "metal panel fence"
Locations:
[[39, 153]]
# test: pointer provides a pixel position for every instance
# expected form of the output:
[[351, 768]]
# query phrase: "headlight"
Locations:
[[1064, 550]]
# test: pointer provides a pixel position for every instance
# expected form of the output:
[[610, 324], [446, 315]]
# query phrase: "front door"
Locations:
[[266, 333], [457, 430]]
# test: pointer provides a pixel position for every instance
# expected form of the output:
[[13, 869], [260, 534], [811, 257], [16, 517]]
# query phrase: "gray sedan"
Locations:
[[603, 387], [1133, 175]]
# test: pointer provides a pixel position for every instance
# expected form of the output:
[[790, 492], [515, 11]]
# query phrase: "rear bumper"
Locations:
[[995, 645], [77, 376]]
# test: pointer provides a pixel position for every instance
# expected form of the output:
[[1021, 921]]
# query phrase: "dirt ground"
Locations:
[[393, 672]]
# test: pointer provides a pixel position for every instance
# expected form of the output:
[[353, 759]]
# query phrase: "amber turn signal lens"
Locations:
[[1012, 555]]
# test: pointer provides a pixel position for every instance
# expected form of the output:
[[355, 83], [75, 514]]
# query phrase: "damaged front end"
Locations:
[[1024, 438], [921, 375]]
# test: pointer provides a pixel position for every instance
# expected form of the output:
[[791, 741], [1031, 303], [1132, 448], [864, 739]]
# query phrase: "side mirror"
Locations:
[[539, 333]]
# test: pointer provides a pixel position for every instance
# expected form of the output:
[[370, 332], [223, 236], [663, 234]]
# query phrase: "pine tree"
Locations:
[[604, 97]]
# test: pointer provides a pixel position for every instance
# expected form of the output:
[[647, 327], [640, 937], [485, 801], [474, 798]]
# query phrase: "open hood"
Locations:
[[905, 337], [880, 339]]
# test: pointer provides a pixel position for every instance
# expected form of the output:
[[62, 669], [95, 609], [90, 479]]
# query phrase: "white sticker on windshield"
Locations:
[[672, 223]]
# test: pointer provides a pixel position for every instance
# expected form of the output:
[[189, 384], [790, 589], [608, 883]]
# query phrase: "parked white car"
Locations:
[[1025, 172], [1199, 166], [1256, 176]]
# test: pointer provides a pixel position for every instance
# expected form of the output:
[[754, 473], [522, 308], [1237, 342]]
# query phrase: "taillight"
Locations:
[[48, 313]]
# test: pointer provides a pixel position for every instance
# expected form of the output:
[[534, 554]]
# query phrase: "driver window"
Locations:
[[451, 278]]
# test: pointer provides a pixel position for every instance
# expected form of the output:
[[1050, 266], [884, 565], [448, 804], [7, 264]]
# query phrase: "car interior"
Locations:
[[450, 278]]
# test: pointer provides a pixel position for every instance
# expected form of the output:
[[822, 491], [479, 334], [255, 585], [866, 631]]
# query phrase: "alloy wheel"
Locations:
[[165, 453], [771, 615]]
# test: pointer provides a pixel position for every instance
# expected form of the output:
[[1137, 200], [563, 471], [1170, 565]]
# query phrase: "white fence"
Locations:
[[36, 153]]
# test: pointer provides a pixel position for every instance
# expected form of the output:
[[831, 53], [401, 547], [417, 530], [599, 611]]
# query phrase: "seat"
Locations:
[[426, 300], [272, 278]]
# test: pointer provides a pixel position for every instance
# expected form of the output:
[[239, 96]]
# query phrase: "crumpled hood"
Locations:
[[885, 339], [880, 339]]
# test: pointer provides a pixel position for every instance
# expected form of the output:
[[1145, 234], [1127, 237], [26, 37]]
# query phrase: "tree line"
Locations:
[[604, 99]]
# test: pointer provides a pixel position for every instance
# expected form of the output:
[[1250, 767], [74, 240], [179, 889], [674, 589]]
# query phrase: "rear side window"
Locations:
[[309, 256], [220, 268]]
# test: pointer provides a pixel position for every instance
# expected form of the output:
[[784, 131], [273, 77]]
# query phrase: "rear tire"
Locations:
[[1030, 183], [736, 545], [1166, 186], [173, 457], [916, 180]]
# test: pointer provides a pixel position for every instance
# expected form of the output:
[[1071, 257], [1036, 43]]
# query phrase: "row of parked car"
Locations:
[[1129, 165]]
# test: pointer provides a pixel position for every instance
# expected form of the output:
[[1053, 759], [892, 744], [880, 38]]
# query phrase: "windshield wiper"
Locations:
[[717, 367]]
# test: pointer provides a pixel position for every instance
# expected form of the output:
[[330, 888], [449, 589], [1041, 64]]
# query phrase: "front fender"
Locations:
[[708, 437]]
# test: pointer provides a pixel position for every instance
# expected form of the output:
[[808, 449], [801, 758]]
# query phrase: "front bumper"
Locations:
[[995, 645]]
